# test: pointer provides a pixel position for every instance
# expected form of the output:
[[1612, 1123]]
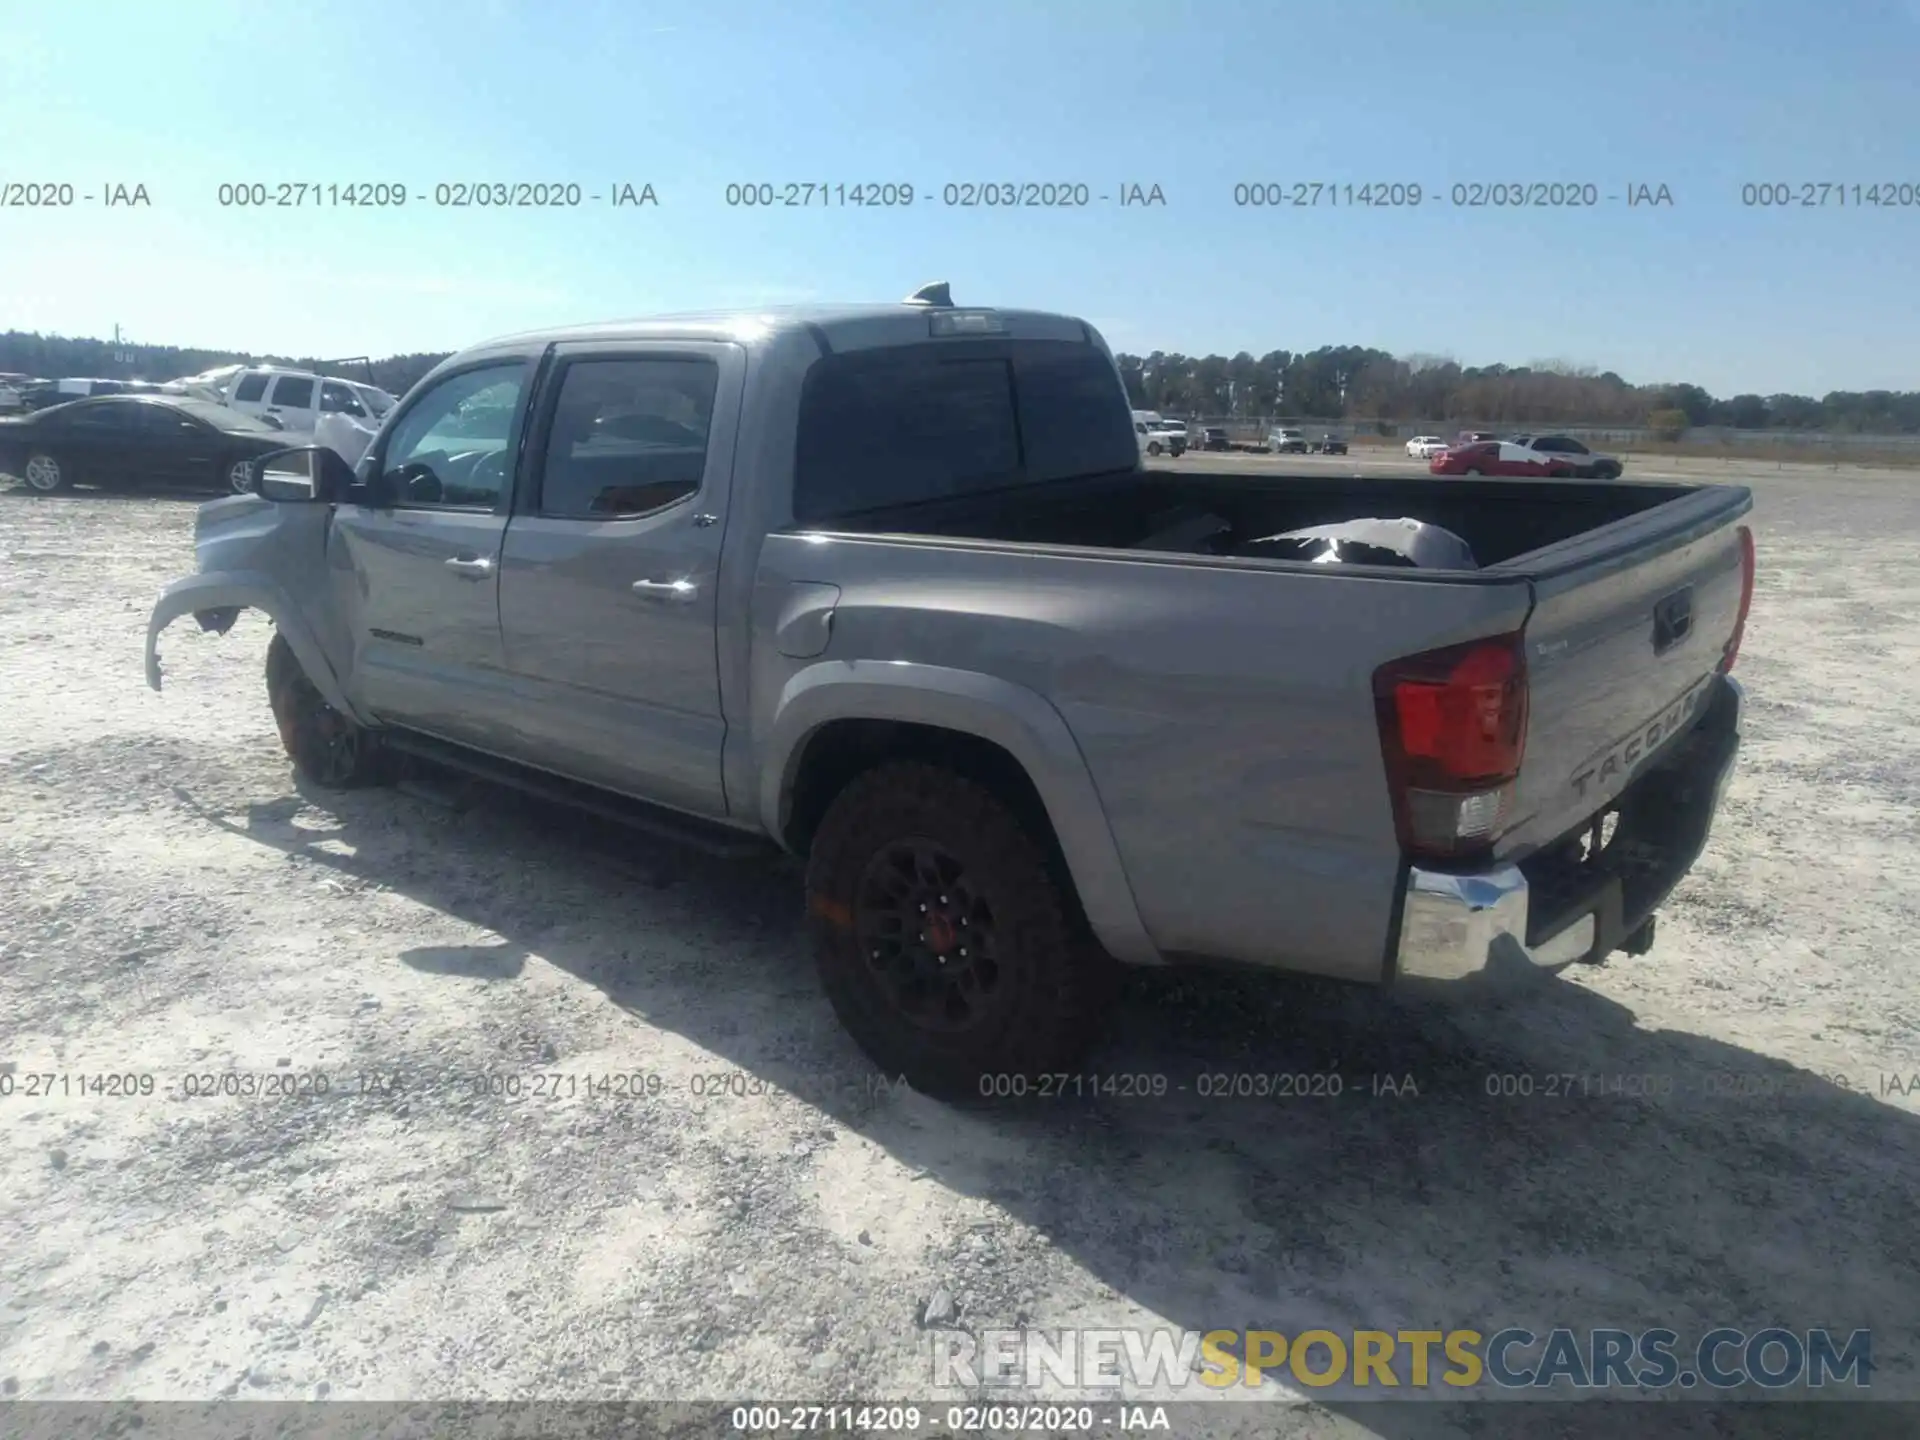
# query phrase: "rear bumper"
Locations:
[[1551, 908]]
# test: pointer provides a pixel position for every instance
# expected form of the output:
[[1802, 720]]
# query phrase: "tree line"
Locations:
[[1357, 384], [1350, 383]]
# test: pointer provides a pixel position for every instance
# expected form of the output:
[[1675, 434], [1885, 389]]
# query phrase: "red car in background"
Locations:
[[1500, 457]]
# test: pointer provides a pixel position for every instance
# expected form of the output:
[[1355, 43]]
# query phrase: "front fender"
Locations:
[[246, 590], [1020, 721]]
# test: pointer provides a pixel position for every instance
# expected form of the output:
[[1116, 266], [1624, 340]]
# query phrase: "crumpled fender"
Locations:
[[242, 589]]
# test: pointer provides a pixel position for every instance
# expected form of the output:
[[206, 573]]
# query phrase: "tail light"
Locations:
[[1453, 730], [1732, 652]]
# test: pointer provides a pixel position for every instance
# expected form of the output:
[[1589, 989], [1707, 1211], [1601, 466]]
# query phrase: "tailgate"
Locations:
[[1628, 626]]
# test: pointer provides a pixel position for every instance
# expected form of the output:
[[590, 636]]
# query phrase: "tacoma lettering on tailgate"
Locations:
[[1624, 755]]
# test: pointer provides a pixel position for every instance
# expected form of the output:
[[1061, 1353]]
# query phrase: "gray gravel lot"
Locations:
[[763, 1218]]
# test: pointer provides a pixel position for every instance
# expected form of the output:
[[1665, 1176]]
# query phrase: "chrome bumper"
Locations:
[[1453, 925]]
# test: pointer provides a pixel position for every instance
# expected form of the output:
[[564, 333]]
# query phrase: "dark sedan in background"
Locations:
[[1330, 445], [1587, 464], [129, 440]]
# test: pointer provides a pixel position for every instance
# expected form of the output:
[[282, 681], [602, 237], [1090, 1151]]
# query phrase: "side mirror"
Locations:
[[311, 475]]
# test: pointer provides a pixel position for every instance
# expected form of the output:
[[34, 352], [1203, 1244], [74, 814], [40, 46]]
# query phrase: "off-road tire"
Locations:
[[1051, 984], [325, 746]]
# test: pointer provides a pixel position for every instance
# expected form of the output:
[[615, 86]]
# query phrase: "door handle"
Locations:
[[474, 568], [672, 591]]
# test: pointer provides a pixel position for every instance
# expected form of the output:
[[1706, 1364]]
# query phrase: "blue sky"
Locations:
[[1697, 95]]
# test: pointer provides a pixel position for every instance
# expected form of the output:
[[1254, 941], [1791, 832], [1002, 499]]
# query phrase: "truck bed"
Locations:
[[1499, 519], [1222, 702]]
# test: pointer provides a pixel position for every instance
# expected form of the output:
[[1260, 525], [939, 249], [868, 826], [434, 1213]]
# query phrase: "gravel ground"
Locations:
[[764, 1218]]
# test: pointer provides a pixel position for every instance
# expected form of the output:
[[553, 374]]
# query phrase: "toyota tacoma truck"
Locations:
[[887, 586]]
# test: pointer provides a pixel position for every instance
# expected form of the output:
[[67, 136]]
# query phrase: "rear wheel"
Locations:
[[325, 746], [947, 945], [46, 474], [1471, 470], [238, 477]]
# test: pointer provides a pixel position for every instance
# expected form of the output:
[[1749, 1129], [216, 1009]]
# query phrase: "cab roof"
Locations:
[[834, 327]]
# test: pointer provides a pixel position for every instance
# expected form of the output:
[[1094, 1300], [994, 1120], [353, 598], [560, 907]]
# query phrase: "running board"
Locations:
[[657, 820]]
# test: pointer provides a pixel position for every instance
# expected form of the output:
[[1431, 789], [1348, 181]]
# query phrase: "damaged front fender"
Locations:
[[256, 555], [217, 599]]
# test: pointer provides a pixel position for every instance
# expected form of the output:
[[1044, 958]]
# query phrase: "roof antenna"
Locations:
[[938, 293]]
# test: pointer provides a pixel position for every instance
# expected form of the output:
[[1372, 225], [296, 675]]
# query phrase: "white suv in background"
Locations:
[[1425, 447], [298, 398]]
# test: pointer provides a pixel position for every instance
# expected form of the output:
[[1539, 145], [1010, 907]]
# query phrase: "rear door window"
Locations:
[[293, 392], [628, 437], [250, 388]]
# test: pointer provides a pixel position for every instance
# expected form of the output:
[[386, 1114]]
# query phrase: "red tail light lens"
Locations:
[[1453, 731], [1732, 651]]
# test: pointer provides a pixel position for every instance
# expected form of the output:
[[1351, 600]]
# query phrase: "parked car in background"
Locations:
[[1474, 437], [1330, 445], [1587, 464], [298, 398], [129, 440], [1495, 457], [1287, 442], [1149, 446], [1425, 447], [1172, 434], [1214, 438], [39, 394], [12, 397]]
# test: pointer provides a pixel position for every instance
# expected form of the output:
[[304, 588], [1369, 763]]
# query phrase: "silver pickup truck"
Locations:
[[889, 587]]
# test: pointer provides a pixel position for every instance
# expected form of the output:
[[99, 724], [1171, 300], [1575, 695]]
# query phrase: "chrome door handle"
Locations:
[[475, 569], [679, 591]]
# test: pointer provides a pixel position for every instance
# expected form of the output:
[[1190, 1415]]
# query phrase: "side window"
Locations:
[[293, 391], [627, 438], [451, 447], [251, 387], [164, 420], [335, 397], [892, 428], [103, 419]]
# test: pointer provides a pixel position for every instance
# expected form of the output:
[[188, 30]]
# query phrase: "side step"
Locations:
[[657, 820]]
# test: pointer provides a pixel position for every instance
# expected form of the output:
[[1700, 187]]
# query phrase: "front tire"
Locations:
[[325, 746], [1153, 448], [46, 474], [948, 947], [1472, 470]]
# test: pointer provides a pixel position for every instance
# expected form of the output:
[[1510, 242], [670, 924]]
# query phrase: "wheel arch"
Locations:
[[837, 720], [246, 590]]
